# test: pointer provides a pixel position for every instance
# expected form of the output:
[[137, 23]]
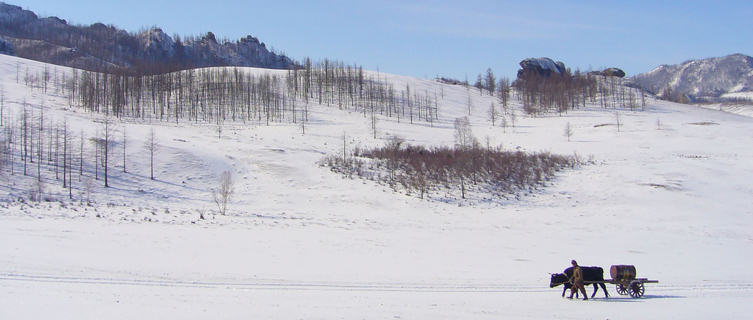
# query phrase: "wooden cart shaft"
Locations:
[[625, 281]]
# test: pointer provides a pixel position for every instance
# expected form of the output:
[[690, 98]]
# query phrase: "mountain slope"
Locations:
[[101, 47], [700, 80]]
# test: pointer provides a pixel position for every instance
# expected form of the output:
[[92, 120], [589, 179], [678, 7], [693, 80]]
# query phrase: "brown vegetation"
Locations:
[[449, 172]]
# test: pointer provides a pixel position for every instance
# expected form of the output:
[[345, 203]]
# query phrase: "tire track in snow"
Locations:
[[344, 286], [275, 284]]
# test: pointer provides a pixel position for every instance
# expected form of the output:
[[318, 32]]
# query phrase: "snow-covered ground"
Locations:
[[670, 193], [741, 108], [744, 105]]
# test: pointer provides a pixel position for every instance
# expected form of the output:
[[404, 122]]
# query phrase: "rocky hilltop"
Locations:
[[102, 47], [541, 66], [710, 79]]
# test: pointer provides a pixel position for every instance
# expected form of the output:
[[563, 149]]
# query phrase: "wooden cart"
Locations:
[[624, 278]]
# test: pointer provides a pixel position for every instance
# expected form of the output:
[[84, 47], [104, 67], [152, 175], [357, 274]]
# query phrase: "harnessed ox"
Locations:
[[589, 274]]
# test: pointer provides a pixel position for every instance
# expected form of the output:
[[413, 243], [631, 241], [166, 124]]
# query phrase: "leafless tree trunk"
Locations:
[[151, 146], [65, 154], [105, 142], [568, 131], [617, 120], [224, 192], [464, 138], [25, 127], [39, 144], [373, 122], [345, 145], [2, 105], [492, 113], [125, 138], [81, 157]]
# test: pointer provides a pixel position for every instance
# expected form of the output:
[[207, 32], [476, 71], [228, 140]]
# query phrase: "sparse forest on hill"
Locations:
[[238, 96]]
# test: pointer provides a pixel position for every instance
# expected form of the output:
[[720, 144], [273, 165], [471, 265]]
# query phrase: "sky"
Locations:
[[455, 39]]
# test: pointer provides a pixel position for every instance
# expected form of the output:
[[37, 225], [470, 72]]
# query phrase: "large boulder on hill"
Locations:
[[6, 47], [542, 66], [610, 72], [613, 72]]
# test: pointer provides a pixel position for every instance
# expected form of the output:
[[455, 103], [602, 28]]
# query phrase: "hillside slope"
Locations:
[[669, 192]]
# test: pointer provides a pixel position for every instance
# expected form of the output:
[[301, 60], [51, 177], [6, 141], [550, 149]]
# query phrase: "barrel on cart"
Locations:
[[624, 277]]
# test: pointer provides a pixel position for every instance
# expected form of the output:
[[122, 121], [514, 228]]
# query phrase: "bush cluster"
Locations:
[[451, 172]]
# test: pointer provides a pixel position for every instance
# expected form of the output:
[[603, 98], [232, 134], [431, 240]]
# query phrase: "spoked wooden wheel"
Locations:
[[636, 289], [621, 289]]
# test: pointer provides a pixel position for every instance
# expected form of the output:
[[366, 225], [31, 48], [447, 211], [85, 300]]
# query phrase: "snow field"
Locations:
[[301, 242]]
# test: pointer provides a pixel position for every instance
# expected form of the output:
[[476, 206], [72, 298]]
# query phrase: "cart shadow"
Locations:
[[632, 300], [661, 296]]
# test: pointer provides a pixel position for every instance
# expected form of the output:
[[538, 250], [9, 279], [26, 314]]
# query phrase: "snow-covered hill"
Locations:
[[669, 193], [701, 80]]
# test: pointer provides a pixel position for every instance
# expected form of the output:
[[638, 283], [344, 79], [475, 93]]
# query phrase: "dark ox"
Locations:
[[589, 274]]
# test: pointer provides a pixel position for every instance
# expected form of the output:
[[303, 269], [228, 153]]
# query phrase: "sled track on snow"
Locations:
[[342, 286], [272, 284]]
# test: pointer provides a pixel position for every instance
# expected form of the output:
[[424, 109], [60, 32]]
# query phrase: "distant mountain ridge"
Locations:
[[711, 79], [101, 47]]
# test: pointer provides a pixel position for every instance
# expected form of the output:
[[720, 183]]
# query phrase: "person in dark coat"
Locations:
[[577, 281]]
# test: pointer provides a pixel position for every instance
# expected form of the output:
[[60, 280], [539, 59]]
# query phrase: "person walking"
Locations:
[[577, 281]]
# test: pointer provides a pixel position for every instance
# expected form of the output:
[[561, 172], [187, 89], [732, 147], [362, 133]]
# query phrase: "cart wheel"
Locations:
[[621, 289], [636, 289]]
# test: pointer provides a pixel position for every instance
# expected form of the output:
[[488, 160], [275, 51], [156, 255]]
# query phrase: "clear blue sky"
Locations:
[[449, 38]]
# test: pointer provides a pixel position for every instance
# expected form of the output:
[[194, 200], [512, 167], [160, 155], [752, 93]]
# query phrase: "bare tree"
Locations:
[[503, 89], [97, 142], [464, 138], [2, 105], [470, 103], [25, 128], [617, 120], [373, 122], [223, 192], [65, 154], [479, 84], [643, 100], [345, 145], [490, 81], [151, 145], [125, 138], [88, 187], [70, 167], [393, 145], [492, 113], [106, 141], [304, 117], [11, 136], [418, 179], [39, 143], [568, 131], [37, 191], [513, 120], [81, 157]]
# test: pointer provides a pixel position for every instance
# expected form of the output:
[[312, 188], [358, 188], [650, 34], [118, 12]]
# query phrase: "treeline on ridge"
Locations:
[[216, 95]]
